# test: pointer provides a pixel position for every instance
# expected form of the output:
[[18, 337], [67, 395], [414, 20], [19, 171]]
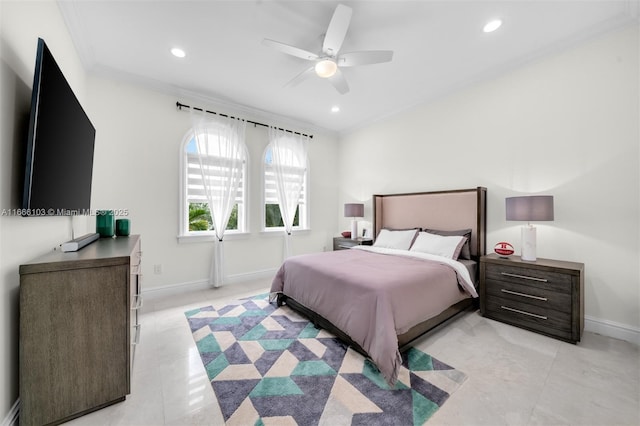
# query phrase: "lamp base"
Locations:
[[354, 229], [528, 243]]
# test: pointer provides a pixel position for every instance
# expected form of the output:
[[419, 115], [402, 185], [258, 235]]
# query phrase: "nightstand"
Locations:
[[545, 296], [340, 243]]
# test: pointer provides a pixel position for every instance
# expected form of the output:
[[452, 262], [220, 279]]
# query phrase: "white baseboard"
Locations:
[[612, 329], [11, 419], [172, 289], [265, 274]]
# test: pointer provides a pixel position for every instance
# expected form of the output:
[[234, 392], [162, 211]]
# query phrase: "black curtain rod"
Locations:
[[255, 123]]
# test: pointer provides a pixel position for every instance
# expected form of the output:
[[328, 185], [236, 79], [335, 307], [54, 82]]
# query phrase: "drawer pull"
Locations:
[[344, 246], [137, 302], [530, 296], [543, 280], [523, 312], [136, 339]]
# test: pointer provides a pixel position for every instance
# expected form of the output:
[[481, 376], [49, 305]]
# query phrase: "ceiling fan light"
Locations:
[[326, 68]]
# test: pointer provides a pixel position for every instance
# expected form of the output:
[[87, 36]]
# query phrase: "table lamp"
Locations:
[[354, 210], [529, 208]]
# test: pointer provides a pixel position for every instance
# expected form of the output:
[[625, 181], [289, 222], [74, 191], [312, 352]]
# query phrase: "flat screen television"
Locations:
[[60, 145]]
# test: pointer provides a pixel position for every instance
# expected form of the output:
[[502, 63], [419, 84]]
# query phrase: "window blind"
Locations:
[[270, 191], [215, 175]]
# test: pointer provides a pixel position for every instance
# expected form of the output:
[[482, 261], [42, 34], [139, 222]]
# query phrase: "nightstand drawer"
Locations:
[[532, 295], [525, 315], [542, 279], [346, 243]]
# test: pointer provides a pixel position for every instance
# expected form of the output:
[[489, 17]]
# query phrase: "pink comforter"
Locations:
[[372, 297]]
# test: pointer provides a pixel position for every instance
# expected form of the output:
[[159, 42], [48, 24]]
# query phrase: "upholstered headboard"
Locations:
[[443, 210]]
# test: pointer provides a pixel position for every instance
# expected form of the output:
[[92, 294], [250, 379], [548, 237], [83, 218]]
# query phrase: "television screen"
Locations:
[[60, 145]]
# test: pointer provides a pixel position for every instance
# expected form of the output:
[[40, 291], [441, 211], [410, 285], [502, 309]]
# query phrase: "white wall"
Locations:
[[24, 238], [136, 167], [567, 125]]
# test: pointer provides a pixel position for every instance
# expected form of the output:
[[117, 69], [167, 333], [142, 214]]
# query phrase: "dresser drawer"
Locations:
[[537, 278], [529, 294]]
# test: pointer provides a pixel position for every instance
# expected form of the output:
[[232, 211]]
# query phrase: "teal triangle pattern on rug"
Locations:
[[267, 364]]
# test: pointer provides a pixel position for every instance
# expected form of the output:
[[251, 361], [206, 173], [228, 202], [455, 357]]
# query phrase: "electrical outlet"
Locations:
[[157, 269]]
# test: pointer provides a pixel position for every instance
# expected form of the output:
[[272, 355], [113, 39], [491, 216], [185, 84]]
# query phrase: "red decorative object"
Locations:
[[503, 249], [346, 234]]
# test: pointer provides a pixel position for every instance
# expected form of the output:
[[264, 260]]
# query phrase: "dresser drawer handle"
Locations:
[[136, 339], [524, 277], [530, 296], [344, 246], [523, 312], [137, 302]]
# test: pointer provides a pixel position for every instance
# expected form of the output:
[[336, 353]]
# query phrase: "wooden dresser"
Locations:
[[545, 296], [78, 325]]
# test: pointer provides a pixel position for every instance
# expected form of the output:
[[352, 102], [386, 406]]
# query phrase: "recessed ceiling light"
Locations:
[[335, 108], [178, 53], [492, 26]]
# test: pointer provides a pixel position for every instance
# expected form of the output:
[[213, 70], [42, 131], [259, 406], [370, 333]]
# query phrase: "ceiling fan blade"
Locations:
[[353, 59], [290, 50], [339, 82], [301, 77], [337, 30]]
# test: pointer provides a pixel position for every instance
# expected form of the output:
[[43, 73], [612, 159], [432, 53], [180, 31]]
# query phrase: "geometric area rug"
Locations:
[[269, 365]]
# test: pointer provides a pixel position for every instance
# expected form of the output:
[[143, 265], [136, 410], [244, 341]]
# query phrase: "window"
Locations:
[[272, 216], [195, 215]]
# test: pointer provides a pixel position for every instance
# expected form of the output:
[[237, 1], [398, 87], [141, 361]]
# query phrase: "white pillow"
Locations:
[[445, 246], [400, 240]]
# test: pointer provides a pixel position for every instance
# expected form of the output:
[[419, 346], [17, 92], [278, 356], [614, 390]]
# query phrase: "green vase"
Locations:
[[123, 227], [105, 223]]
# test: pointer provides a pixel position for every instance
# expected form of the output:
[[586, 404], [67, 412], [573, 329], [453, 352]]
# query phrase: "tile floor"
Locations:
[[515, 377]]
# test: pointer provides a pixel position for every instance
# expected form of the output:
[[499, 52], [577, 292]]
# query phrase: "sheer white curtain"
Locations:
[[289, 160], [221, 155]]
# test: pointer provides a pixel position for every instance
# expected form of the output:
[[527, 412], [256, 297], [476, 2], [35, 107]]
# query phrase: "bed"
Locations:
[[380, 299]]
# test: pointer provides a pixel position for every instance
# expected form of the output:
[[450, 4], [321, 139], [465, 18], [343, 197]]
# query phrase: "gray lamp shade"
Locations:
[[354, 210], [531, 208]]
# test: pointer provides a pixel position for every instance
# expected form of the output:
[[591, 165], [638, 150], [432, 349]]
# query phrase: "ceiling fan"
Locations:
[[330, 60]]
